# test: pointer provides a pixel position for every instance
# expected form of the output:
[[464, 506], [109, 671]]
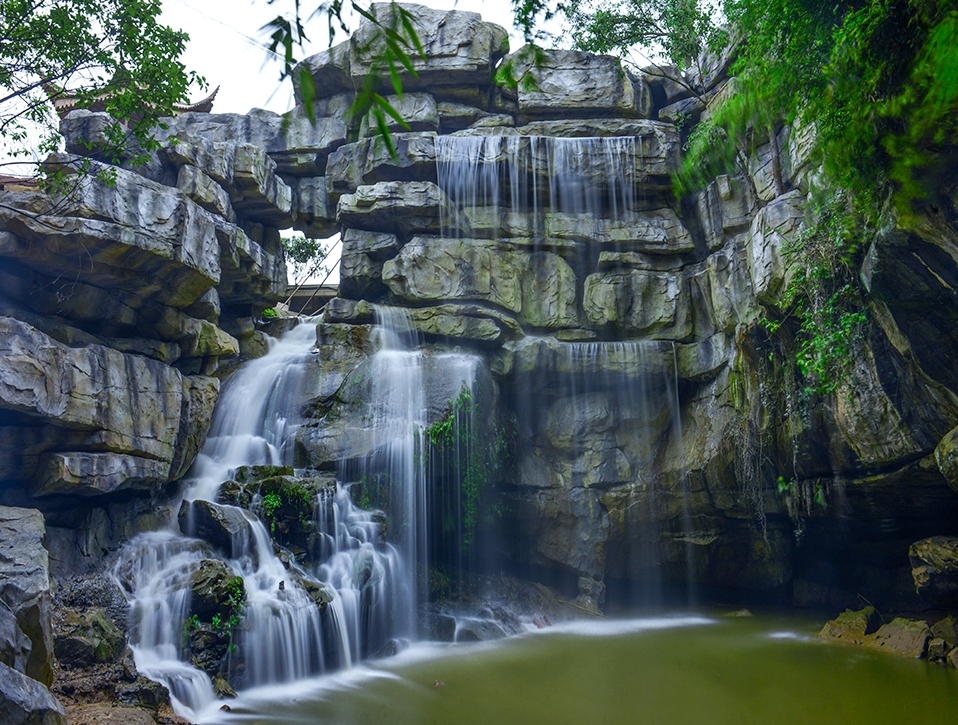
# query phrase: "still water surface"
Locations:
[[679, 670]]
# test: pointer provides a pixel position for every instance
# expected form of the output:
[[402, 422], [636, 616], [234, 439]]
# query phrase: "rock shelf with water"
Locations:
[[541, 364]]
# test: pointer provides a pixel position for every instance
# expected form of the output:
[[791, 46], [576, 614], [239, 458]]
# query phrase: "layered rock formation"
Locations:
[[649, 432], [660, 430]]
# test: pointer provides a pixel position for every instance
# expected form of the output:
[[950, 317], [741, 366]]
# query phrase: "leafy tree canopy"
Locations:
[[112, 52], [637, 31]]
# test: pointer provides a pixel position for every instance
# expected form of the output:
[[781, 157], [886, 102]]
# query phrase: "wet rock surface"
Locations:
[[648, 427]]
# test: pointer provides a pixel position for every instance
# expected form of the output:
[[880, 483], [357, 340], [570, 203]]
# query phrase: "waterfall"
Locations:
[[373, 567], [592, 415], [536, 186], [281, 635], [410, 391]]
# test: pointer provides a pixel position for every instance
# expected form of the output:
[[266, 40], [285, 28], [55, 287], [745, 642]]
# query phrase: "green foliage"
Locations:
[[271, 502], [305, 258], [636, 31], [285, 500], [876, 79], [460, 453], [191, 624], [824, 294], [442, 432], [801, 499], [113, 52]]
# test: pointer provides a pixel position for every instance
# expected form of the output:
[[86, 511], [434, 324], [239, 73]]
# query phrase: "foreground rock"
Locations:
[[24, 701], [25, 585], [902, 637], [851, 627]]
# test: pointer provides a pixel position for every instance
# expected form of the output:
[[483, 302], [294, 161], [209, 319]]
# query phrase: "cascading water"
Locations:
[[399, 474], [537, 186], [281, 635], [577, 196]]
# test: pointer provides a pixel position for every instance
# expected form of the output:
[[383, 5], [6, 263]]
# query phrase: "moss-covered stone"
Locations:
[[85, 638], [851, 627], [902, 637]]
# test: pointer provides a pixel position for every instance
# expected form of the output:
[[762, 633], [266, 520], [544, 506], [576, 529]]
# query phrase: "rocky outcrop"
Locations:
[[648, 427], [25, 586], [934, 563], [24, 701], [658, 430]]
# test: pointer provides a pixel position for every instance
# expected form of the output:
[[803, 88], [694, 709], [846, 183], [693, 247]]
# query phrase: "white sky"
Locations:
[[228, 48]]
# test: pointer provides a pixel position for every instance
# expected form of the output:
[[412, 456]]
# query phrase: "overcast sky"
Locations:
[[228, 48]]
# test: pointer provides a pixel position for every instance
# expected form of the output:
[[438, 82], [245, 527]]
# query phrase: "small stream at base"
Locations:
[[671, 670]]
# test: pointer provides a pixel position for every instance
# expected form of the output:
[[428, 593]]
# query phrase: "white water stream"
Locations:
[[282, 635]]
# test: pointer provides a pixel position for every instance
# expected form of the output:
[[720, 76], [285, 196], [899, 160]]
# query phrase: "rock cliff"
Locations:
[[536, 226], [651, 436]]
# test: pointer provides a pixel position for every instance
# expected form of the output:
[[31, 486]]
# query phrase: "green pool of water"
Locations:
[[692, 670]]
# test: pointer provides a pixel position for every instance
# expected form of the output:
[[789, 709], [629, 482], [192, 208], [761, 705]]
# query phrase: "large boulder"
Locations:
[[397, 207], [851, 627], [539, 287], [136, 235], [87, 637], [369, 161], [460, 50], [25, 584], [215, 590], [129, 405], [24, 701], [902, 637], [934, 567], [575, 84], [14, 644], [639, 302], [226, 528], [946, 456], [773, 228]]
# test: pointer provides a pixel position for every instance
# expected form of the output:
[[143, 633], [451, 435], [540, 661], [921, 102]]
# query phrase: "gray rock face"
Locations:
[[136, 224], [328, 70], [369, 161], [87, 638], [461, 51], [15, 646], [224, 527], [24, 701], [574, 84], [104, 382], [25, 585], [145, 413], [404, 208], [539, 287], [209, 590]]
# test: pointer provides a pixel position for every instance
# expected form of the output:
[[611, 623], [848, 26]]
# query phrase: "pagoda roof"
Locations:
[[64, 102]]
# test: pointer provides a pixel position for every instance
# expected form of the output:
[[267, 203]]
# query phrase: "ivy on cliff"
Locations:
[[877, 80]]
